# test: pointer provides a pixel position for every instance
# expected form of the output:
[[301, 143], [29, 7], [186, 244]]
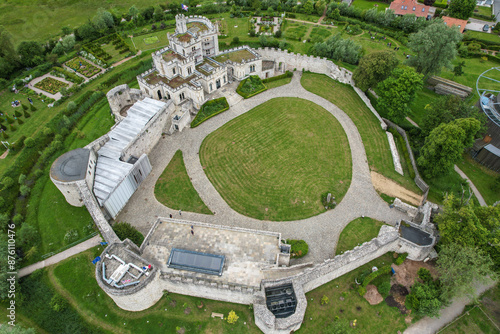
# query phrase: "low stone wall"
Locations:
[[418, 179], [395, 154]]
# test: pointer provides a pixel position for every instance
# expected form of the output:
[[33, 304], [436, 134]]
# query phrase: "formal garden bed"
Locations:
[[209, 110], [65, 74], [51, 85], [107, 49], [250, 87], [83, 67], [260, 162]]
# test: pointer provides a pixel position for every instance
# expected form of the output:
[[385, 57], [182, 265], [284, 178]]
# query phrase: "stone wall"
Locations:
[[150, 134], [418, 179]]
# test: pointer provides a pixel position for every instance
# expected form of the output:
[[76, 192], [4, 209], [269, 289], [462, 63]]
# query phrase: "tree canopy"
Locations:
[[374, 68], [434, 47], [338, 48], [461, 267], [445, 144], [398, 91], [461, 9]]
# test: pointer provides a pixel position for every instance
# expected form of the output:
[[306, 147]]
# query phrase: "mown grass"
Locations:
[[417, 107], [374, 138], [175, 190], [483, 178], [370, 318], [278, 83], [357, 232], [140, 41], [276, 160], [75, 279], [367, 4]]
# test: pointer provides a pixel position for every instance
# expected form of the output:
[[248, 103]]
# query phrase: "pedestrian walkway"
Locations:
[[81, 247], [476, 192], [321, 232]]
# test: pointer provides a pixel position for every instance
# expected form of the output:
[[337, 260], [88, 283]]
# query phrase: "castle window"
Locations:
[[173, 70], [193, 48], [189, 70], [224, 79], [207, 52], [252, 68], [181, 96], [210, 87]]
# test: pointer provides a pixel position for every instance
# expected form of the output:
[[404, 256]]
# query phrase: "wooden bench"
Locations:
[[219, 315]]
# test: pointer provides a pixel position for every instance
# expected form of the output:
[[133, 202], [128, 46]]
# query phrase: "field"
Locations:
[[153, 40], [267, 174], [174, 189], [40, 20], [374, 139], [357, 232]]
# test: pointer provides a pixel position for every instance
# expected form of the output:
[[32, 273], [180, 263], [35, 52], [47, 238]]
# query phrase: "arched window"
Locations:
[[210, 88]]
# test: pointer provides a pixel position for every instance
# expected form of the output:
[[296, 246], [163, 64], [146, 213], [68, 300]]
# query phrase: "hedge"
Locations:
[[209, 110], [62, 73], [381, 271], [400, 259], [255, 80], [298, 247], [288, 74]]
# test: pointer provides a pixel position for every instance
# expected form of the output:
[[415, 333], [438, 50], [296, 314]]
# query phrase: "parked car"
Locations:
[[486, 28]]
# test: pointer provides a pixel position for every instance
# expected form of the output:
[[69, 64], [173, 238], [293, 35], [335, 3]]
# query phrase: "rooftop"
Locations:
[[236, 56], [71, 166], [451, 21], [154, 77], [186, 37], [171, 55], [110, 170], [403, 7], [196, 26], [207, 66], [245, 251]]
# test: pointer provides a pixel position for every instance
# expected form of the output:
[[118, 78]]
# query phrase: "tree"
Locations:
[[449, 108], [133, 12], [338, 48], [58, 49], [320, 7], [87, 31], [28, 235], [103, 20], [374, 68], [158, 14], [445, 144], [433, 47], [66, 31], [425, 298], [27, 52], [125, 230], [8, 55], [461, 9], [460, 268], [398, 90], [308, 7]]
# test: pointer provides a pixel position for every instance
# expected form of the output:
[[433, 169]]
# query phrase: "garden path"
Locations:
[[55, 96], [321, 232], [476, 192]]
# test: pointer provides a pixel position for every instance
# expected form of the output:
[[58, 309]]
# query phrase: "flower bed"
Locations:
[[209, 110], [86, 68], [50, 85], [250, 87]]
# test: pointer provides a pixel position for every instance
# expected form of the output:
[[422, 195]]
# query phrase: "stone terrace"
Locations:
[[235, 56], [171, 55], [246, 251], [154, 78]]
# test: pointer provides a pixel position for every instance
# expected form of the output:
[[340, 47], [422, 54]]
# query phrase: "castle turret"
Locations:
[[180, 21]]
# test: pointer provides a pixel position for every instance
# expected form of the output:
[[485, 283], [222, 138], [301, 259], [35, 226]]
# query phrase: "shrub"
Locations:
[[250, 87], [71, 236], [210, 109], [58, 303], [24, 107], [232, 317], [7, 182], [424, 275], [400, 259], [17, 113], [384, 288], [18, 219], [29, 142], [299, 248], [381, 271], [24, 190], [20, 121], [28, 235], [361, 290], [126, 231], [236, 39], [324, 300]]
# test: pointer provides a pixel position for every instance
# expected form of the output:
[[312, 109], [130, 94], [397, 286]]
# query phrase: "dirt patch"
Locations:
[[173, 303], [391, 188], [397, 298], [181, 331], [187, 310], [407, 272], [372, 295]]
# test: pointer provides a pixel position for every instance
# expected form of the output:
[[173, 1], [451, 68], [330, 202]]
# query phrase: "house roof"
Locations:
[[451, 21], [403, 7]]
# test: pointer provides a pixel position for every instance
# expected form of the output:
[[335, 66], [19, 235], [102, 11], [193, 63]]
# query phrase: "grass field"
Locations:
[[482, 177], [278, 83], [357, 232], [370, 319], [367, 4], [40, 20], [261, 162], [174, 188], [374, 138], [154, 40], [75, 280]]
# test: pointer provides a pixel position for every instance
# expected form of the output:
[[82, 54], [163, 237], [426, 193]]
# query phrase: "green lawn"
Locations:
[[146, 42], [374, 138], [261, 162], [174, 188], [417, 107], [357, 232], [370, 319], [482, 177], [367, 4], [440, 186], [278, 83], [75, 279], [40, 20]]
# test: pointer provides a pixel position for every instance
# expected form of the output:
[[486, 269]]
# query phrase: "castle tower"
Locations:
[[180, 22]]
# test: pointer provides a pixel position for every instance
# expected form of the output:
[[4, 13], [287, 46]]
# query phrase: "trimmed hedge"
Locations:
[[287, 74], [209, 110], [250, 87], [381, 271], [299, 247]]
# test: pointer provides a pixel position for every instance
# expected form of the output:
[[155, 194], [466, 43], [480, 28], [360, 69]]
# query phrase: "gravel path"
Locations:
[[321, 232]]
